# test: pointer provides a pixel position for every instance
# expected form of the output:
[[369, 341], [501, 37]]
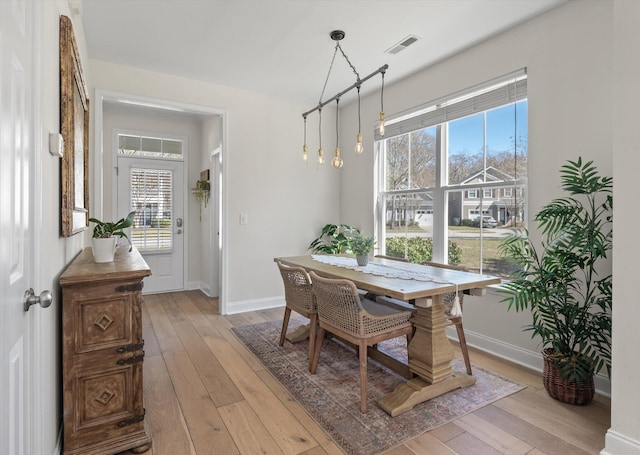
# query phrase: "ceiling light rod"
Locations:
[[382, 70]]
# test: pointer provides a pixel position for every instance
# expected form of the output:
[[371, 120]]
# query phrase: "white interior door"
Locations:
[[17, 143], [154, 189]]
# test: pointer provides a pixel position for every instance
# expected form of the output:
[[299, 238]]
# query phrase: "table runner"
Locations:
[[401, 270]]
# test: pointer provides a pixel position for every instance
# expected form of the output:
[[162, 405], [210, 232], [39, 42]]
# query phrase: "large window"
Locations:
[[452, 177]]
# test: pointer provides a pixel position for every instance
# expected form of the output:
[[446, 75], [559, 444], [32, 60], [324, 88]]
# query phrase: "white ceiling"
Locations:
[[283, 48]]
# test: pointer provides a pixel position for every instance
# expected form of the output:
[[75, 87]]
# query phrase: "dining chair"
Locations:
[[448, 300], [299, 297], [363, 322]]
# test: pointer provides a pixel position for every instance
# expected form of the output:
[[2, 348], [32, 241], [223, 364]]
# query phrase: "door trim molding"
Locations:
[[102, 95]]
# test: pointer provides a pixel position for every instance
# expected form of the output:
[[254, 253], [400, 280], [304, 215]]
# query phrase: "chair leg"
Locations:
[[362, 355], [463, 344], [313, 325], [317, 347], [285, 324]]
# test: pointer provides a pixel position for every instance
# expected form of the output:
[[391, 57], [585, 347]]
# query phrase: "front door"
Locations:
[[154, 189], [17, 144]]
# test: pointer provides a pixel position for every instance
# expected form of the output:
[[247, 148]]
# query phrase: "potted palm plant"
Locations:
[[362, 246], [560, 282], [105, 233]]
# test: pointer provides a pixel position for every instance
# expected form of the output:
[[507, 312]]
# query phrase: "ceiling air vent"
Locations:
[[402, 45]]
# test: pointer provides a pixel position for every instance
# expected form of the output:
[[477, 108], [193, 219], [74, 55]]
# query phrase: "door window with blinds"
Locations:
[[452, 176], [152, 190], [151, 198]]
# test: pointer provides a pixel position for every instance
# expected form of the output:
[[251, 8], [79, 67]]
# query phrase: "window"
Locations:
[[452, 177], [151, 198], [151, 147]]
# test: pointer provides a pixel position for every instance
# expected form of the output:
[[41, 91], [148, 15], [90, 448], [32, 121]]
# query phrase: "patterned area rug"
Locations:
[[332, 395]]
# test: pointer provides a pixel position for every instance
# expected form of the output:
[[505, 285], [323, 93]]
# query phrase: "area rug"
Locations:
[[332, 395]]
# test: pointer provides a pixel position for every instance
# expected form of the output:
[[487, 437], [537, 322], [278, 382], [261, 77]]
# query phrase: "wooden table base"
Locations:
[[430, 355]]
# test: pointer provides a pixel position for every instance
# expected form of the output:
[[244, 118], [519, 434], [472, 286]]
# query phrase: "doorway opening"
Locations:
[[204, 259]]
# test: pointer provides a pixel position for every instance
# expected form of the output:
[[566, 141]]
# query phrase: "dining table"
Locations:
[[429, 352]]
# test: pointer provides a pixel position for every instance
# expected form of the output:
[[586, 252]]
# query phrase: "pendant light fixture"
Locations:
[[382, 106], [337, 162], [320, 157], [358, 149], [305, 149]]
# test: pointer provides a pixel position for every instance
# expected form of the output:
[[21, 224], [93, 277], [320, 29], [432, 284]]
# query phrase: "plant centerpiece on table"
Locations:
[[560, 282], [334, 239], [362, 246], [105, 235]]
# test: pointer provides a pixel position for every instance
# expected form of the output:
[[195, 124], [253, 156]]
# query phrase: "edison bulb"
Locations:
[[359, 148]]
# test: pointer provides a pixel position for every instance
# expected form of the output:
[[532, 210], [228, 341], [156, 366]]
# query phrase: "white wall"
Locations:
[[209, 264], [286, 201], [55, 251], [624, 436], [567, 53]]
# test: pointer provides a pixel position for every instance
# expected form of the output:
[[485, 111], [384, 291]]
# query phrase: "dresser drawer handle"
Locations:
[[130, 360]]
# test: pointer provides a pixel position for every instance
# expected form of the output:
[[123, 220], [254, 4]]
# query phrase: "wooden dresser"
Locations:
[[102, 354]]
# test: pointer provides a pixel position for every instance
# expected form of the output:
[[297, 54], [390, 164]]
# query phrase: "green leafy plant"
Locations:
[[362, 245], [558, 280], [334, 239], [107, 229]]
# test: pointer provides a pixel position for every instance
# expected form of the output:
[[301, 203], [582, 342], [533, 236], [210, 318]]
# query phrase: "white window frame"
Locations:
[[414, 120]]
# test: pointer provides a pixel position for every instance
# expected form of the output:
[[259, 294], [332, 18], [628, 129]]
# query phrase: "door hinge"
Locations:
[[132, 420], [130, 360], [130, 287], [130, 347]]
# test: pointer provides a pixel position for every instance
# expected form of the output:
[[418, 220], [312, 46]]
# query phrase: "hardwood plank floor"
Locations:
[[206, 394]]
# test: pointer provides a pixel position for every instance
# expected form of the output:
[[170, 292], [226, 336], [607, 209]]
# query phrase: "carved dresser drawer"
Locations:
[[102, 354]]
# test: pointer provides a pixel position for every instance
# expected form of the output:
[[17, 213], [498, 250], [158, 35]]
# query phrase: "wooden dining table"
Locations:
[[430, 352]]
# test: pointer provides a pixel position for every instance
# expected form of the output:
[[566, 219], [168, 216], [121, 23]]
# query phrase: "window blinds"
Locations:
[[498, 92]]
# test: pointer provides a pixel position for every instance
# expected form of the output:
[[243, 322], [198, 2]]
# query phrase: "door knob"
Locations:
[[44, 299]]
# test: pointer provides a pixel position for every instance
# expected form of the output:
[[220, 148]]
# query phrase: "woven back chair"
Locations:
[[363, 322], [455, 320], [299, 297]]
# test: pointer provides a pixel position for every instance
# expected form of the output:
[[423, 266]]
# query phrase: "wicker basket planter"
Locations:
[[557, 386]]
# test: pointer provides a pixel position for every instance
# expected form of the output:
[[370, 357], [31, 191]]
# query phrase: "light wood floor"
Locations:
[[206, 394]]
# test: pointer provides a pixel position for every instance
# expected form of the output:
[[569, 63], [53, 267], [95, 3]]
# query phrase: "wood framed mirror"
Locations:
[[74, 126]]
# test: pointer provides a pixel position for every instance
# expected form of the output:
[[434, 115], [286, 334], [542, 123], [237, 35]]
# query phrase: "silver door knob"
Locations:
[[179, 231], [44, 299]]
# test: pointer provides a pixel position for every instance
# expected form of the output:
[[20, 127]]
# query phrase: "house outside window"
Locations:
[[452, 177]]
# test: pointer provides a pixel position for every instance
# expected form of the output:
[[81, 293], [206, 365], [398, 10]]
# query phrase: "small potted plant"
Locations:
[[104, 238], [362, 247]]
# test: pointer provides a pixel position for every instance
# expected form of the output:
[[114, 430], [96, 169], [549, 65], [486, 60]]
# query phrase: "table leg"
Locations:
[[430, 355]]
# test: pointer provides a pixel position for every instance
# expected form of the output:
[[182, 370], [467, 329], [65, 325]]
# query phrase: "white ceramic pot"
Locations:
[[362, 259], [104, 249]]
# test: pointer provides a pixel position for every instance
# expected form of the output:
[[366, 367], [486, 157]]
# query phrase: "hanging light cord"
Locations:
[[337, 116], [382, 92], [348, 61], [358, 87], [324, 87], [320, 127]]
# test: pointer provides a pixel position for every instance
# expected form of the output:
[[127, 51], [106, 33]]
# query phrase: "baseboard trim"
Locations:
[[619, 444], [255, 305], [520, 356]]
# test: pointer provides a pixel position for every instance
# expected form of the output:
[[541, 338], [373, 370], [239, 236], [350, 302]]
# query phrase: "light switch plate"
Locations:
[[56, 144]]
